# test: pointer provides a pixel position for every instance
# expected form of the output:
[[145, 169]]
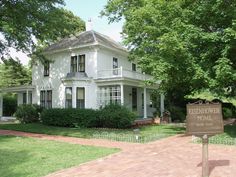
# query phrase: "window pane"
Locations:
[[73, 64], [81, 63], [46, 68], [68, 96], [68, 93], [80, 97], [80, 93], [133, 67]]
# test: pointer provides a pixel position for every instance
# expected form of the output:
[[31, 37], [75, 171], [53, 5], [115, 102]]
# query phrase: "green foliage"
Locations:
[[69, 117], [9, 104], [27, 113], [178, 114], [111, 116], [13, 73], [46, 21], [227, 113], [116, 116], [188, 45]]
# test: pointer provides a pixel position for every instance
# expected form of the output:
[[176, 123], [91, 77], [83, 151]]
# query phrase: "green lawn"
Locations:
[[29, 157], [147, 133], [226, 138]]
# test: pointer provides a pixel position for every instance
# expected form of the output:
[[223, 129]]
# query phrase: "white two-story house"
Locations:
[[89, 70]]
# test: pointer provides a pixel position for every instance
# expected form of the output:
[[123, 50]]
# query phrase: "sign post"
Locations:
[[204, 120], [205, 165]]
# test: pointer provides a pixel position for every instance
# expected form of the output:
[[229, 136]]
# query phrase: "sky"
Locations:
[[86, 9]]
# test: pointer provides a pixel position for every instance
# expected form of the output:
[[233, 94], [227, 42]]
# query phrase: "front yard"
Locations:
[[29, 157], [146, 133]]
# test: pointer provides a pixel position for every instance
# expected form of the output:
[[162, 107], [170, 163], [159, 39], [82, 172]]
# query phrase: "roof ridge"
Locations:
[[94, 37]]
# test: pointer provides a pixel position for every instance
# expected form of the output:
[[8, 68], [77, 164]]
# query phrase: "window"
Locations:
[[80, 97], [133, 67], [49, 99], [73, 67], [46, 68], [24, 98], [134, 99], [43, 98], [68, 97], [115, 66], [46, 98], [110, 94], [81, 63], [77, 64]]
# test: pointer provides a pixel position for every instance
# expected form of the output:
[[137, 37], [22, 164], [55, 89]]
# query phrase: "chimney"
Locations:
[[89, 25]]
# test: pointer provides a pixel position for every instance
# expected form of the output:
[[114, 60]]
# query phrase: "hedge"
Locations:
[[69, 117], [111, 116]]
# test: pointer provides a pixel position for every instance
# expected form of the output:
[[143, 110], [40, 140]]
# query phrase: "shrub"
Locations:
[[177, 114], [116, 116], [69, 117], [9, 104], [27, 113], [227, 113]]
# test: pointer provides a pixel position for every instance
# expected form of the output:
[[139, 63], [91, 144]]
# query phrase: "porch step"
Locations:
[[146, 121]]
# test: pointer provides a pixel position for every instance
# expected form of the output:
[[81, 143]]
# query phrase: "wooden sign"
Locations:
[[204, 119]]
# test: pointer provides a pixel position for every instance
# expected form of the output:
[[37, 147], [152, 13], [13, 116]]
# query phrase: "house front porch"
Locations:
[[24, 95], [135, 97]]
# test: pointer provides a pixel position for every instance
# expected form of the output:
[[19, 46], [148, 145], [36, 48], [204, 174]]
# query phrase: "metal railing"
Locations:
[[121, 72]]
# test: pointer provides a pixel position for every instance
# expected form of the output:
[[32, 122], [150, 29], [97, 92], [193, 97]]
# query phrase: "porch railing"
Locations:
[[121, 72]]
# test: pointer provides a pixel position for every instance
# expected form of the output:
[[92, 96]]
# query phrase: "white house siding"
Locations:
[[105, 60], [59, 68]]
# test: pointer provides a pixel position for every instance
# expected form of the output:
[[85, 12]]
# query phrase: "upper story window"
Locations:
[[46, 68], [77, 63], [81, 63], [73, 67], [133, 67], [115, 66]]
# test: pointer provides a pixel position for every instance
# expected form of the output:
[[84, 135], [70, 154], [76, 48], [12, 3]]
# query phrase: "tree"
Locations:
[[13, 73], [189, 45], [22, 23]]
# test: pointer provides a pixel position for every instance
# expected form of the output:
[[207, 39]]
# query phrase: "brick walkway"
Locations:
[[170, 157]]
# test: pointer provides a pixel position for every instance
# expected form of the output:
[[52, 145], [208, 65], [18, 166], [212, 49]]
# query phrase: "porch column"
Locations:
[[145, 102], [122, 94], [27, 97], [162, 104], [1, 105], [73, 96]]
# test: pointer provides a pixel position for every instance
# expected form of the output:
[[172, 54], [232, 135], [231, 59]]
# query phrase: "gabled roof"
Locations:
[[84, 39]]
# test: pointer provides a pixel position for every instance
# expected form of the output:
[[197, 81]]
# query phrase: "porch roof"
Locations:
[[17, 88], [126, 81]]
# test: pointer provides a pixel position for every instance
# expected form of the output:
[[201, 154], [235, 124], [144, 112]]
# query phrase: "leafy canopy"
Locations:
[[189, 45], [23, 22], [13, 73]]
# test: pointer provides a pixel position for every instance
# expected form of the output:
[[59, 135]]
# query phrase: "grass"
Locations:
[[226, 138], [146, 132], [29, 157]]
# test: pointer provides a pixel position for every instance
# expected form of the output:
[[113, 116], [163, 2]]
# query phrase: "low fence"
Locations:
[[217, 140], [132, 138]]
